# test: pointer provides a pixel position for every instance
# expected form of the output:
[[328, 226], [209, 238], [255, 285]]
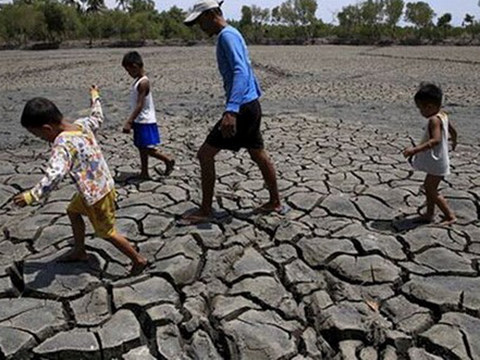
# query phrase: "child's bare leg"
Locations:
[[167, 159], [449, 216], [144, 163], [78, 253], [431, 188], [121, 243], [431, 185]]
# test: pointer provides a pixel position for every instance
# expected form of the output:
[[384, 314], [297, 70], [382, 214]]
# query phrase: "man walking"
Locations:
[[240, 123]]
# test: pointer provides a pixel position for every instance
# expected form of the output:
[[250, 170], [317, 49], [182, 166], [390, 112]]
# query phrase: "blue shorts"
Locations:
[[146, 135]]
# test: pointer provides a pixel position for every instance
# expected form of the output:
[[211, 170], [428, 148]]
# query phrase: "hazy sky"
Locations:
[[328, 8]]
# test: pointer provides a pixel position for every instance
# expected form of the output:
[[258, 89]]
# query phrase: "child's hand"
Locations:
[[409, 152], [94, 94], [19, 200], [94, 90], [127, 127]]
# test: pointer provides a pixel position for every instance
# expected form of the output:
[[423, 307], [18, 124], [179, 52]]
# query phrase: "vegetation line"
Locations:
[[39, 24]]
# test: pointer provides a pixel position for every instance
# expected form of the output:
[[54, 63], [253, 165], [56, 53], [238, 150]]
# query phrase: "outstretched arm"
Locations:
[[58, 166], [95, 120], [143, 90]]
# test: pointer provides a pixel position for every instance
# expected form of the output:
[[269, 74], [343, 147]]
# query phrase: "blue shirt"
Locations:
[[239, 82]]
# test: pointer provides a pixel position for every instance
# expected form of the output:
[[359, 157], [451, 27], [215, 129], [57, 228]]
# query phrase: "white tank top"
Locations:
[[435, 161], [147, 115]]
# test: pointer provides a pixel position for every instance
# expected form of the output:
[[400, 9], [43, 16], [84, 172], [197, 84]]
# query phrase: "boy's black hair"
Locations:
[[132, 58], [430, 94], [40, 111]]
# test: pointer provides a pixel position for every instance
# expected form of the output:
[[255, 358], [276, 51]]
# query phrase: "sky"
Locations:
[[328, 8]]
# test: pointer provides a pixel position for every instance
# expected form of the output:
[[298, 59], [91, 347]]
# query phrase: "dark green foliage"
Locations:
[[419, 14], [37, 22]]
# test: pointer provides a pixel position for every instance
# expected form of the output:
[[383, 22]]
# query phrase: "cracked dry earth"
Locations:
[[344, 275]]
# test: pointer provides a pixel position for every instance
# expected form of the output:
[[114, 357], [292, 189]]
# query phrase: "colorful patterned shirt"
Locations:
[[78, 154]]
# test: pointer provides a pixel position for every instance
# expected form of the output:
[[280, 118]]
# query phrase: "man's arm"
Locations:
[[143, 90], [58, 166], [233, 48]]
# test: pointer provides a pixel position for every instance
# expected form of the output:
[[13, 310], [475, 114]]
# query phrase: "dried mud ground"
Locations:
[[345, 274]]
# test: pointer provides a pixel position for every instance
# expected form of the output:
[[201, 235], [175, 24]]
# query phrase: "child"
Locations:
[[431, 155], [75, 152], [143, 120]]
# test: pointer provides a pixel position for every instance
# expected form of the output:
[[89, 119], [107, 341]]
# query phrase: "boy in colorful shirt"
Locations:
[[75, 151]]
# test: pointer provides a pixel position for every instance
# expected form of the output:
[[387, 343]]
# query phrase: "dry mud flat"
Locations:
[[344, 275], [356, 84]]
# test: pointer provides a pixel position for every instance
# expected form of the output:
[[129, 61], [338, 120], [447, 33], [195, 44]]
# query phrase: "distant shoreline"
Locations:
[[117, 43]]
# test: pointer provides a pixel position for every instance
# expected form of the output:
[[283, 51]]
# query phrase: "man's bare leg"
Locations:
[[267, 168], [206, 156]]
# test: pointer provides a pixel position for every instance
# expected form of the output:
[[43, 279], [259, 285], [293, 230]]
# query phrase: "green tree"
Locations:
[[93, 6], [73, 3], [298, 14], [419, 14], [123, 4], [276, 15], [144, 26], [444, 20], [172, 24], [393, 12], [259, 18], [92, 24], [305, 10], [372, 15], [468, 20], [287, 13], [137, 6], [55, 20], [350, 18], [22, 22], [443, 24], [247, 18], [259, 15], [472, 27], [371, 12]]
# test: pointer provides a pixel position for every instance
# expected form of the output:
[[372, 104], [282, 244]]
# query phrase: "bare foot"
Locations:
[[195, 218], [137, 268], [74, 256], [272, 207], [446, 221], [170, 165]]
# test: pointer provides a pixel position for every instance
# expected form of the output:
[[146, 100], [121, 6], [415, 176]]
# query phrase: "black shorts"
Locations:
[[248, 130]]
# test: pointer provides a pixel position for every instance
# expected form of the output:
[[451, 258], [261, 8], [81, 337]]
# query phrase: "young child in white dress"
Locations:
[[431, 155]]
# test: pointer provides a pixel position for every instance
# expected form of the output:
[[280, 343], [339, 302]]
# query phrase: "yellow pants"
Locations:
[[101, 214]]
